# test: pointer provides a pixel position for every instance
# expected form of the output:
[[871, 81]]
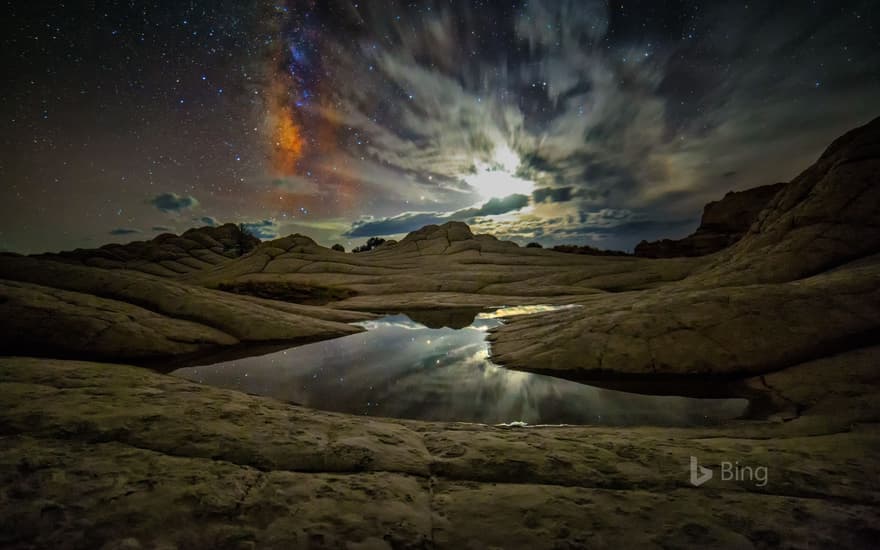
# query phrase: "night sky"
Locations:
[[559, 121]]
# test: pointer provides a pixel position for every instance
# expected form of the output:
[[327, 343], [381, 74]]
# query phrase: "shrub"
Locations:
[[587, 250], [371, 243]]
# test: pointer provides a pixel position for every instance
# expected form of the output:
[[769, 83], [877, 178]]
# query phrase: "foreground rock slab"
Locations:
[[686, 330], [110, 456], [58, 309]]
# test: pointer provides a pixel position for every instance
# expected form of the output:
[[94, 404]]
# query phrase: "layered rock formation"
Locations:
[[64, 309], [57, 309], [804, 282], [110, 456], [167, 255], [683, 330], [723, 223], [436, 266], [826, 217]]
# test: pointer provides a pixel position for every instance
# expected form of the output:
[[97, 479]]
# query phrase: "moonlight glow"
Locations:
[[558, 121], [499, 179]]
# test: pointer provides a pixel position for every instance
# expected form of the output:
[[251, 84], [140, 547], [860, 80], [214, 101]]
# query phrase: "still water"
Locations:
[[405, 369]]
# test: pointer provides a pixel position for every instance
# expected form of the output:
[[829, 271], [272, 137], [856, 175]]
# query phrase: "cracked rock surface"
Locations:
[[49, 307], [439, 266], [680, 330], [100, 456]]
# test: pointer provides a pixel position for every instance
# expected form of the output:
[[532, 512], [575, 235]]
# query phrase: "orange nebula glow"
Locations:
[[288, 142], [303, 131]]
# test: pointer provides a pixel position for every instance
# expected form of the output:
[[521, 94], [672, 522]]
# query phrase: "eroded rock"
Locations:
[[97, 455], [723, 223], [51, 307], [829, 215], [167, 255]]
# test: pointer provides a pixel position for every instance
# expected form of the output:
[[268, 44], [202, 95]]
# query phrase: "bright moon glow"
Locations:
[[497, 179]]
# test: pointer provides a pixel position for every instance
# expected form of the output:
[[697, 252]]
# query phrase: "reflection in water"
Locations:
[[400, 368], [445, 318]]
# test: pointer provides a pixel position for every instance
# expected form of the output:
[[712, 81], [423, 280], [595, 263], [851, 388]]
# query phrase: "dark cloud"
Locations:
[[124, 231], [494, 207], [411, 221], [162, 229], [547, 194], [403, 223], [262, 229], [172, 202], [207, 220], [641, 227]]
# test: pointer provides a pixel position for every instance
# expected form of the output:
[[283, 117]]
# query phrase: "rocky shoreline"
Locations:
[[113, 456]]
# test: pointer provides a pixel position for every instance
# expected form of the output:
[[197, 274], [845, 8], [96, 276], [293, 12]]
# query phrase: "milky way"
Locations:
[[559, 121]]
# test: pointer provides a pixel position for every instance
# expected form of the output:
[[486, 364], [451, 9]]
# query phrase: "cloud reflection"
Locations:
[[400, 368]]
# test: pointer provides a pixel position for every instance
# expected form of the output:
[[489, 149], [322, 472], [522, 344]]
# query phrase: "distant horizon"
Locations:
[[348, 244], [677, 230]]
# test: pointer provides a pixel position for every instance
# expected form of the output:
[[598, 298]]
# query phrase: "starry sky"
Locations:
[[558, 121]]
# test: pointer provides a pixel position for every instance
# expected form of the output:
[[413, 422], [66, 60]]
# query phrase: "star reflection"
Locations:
[[401, 368]]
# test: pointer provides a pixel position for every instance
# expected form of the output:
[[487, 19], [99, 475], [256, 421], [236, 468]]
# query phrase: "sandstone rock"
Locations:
[[723, 223], [47, 321], [97, 454], [827, 216], [678, 330], [90, 312], [844, 387], [167, 255], [436, 260]]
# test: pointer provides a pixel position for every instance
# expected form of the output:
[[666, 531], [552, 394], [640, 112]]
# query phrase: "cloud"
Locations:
[[172, 202], [207, 220], [124, 231], [656, 118], [162, 229], [494, 207], [618, 229], [548, 194], [640, 227], [262, 229], [402, 223], [411, 221]]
